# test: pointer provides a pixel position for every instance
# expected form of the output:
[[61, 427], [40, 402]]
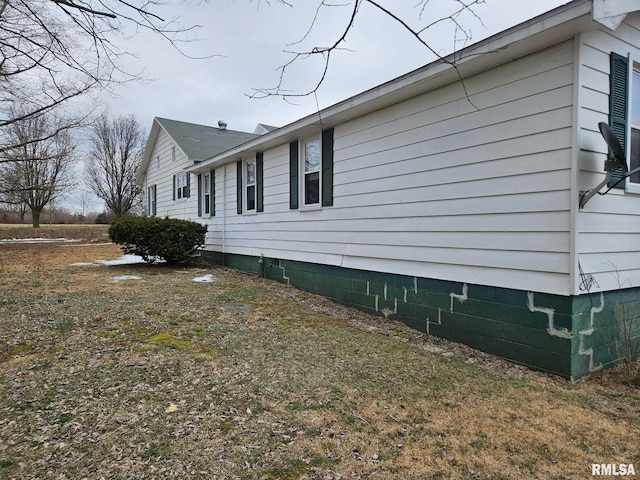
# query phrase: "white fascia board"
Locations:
[[612, 13], [545, 30]]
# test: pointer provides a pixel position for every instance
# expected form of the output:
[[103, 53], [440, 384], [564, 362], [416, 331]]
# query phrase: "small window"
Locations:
[[311, 171], [181, 185], [206, 196], [151, 200], [312, 162], [250, 186]]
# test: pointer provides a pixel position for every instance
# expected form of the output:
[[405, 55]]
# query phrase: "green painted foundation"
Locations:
[[568, 336]]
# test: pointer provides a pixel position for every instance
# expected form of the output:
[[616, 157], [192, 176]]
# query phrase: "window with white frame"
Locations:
[[206, 194], [634, 125], [151, 200], [311, 163], [181, 185], [250, 185]]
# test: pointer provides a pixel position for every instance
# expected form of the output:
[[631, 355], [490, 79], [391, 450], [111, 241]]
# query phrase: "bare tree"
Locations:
[[418, 31], [117, 146], [34, 173], [54, 51]]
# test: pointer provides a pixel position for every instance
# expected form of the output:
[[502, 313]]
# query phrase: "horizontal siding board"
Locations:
[[477, 190], [557, 141], [411, 219], [462, 140], [480, 169], [504, 107], [492, 87], [521, 241]]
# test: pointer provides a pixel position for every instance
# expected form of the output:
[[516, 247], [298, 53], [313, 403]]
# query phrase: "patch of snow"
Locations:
[[125, 277], [39, 240], [124, 260], [82, 264], [204, 279]]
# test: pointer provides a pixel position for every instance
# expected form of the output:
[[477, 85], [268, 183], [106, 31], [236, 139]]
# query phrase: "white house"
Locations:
[[448, 198], [172, 148]]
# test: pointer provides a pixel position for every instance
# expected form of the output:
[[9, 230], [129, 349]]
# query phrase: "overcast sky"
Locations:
[[249, 37], [245, 42]]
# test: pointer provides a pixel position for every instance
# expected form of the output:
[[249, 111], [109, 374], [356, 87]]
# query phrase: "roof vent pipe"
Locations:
[[222, 125]]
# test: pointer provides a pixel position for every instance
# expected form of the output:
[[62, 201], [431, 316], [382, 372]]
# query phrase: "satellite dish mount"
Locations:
[[616, 161]]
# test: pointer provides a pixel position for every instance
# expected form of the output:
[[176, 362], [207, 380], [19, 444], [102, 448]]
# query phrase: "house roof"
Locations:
[[198, 142], [553, 27]]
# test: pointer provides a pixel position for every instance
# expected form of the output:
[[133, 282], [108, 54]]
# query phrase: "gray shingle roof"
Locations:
[[200, 142]]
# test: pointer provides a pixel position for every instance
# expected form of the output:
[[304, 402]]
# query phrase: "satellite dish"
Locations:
[[616, 160]]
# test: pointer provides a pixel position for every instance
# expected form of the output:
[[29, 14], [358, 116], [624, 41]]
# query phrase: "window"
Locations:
[[311, 171], [250, 186], [634, 121], [206, 194], [181, 186], [151, 200], [312, 162]]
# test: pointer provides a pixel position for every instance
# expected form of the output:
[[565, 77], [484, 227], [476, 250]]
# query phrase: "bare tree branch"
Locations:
[[419, 34], [52, 52]]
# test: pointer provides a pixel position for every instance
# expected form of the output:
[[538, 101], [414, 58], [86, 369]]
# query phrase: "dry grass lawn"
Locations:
[[243, 378]]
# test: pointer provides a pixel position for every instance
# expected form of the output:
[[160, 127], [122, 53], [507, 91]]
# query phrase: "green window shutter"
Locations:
[[239, 186], [293, 175], [212, 192], [187, 192], [259, 182], [174, 187], [199, 194], [327, 167], [618, 107]]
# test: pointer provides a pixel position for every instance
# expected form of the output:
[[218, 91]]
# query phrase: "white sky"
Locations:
[[251, 36]]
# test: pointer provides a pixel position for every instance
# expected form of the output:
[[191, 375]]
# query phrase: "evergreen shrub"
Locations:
[[170, 239]]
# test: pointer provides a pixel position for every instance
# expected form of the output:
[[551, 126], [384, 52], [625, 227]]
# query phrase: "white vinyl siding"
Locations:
[[161, 174], [608, 228], [438, 187]]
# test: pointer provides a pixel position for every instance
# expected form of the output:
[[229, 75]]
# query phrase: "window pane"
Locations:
[[634, 160], [251, 172], [207, 185], [635, 99], [207, 204], [312, 156], [312, 188], [251, 197]]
